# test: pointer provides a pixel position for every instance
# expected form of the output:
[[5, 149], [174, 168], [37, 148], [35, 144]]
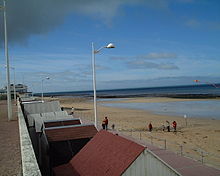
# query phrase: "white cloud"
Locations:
[[141, 64], [185, 1], [159, 56], [195, 23], [147, 56], [192, 23], [119, 58]]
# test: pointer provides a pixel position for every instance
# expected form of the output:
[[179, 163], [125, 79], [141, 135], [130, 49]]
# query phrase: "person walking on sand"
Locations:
[[174, 125], [163, 127], [168, 126], [113, 126], [106, 123], [150, 127], [72, 110], [103, 124]]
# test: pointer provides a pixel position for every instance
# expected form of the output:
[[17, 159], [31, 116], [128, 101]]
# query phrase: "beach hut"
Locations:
[[41, 107], [60, 143], [109, 154]]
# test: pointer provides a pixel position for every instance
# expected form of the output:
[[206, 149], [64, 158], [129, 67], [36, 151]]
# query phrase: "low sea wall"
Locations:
[[29, 162]]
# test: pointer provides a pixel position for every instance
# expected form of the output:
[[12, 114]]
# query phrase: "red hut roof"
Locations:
[[63, 133], [106, 154]]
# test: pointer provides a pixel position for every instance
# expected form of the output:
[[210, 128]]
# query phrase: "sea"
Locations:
[[204, 108], [189, 109], [186, 90]]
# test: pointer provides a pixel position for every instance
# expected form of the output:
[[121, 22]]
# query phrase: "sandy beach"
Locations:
[[199, 139]]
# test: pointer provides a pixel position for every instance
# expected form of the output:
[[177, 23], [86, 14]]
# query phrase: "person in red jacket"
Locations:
[[174, 125], [105, 123], [150, 127]]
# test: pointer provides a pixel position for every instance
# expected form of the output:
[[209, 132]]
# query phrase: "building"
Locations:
[[19, 88]]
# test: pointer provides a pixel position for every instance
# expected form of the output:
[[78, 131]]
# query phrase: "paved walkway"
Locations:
[[10, 156]]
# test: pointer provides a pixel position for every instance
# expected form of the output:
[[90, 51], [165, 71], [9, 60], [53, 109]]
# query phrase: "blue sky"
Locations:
[[158, 43]]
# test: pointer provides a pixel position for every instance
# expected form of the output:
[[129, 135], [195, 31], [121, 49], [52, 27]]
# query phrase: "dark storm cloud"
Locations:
[[33, 17], [27, 17]]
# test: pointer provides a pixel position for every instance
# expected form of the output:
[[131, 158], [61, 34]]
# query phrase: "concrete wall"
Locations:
[[36, 107], [29, 162], [148, 164]]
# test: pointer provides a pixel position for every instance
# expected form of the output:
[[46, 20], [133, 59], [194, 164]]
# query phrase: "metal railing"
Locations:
[[192, 152]]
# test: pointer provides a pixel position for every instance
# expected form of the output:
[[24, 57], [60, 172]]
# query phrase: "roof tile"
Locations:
[[70, 132], [62, 123], [106, 154]]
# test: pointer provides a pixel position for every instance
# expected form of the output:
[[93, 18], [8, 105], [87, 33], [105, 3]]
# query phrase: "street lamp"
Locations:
[[110, 45], [42, 92], [7, 64], [13, 68]]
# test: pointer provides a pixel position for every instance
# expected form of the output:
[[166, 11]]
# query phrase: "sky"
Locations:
[[157, 43]]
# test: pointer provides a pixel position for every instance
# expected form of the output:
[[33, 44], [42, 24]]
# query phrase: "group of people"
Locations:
[[105, 124], [150, 126], [174, 124]]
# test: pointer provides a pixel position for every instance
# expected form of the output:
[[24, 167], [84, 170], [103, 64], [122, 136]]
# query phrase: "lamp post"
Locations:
[[7, 65], [94, 52], [13, 68], [32, 88], [42, 92]]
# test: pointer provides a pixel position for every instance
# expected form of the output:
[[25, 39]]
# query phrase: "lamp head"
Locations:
[[47, 78], [110, 45]]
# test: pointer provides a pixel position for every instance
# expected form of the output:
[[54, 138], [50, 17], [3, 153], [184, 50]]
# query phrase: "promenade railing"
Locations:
[[187, 150]]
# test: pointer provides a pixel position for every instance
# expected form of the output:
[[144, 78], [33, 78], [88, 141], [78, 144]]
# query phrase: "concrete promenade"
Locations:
[[10, 155]]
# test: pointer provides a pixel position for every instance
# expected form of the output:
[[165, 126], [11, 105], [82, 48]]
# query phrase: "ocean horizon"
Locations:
[[202, 90], [196, 109]]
